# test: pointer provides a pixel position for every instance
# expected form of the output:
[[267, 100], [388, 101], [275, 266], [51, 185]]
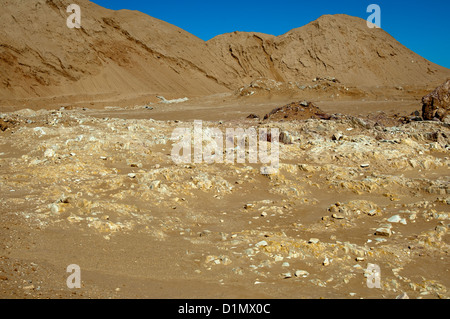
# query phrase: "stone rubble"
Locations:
[[115, 176]]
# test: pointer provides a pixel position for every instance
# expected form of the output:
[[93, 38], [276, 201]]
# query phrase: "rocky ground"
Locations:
[[105, 194]]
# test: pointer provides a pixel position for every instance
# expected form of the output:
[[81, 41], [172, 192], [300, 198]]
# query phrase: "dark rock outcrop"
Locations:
[[436, 105], [297, 111]]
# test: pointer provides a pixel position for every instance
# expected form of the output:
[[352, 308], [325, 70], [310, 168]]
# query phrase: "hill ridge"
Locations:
[[128, 53]]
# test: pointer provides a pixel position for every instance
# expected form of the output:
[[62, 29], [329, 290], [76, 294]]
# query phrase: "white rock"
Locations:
[[337, 136], [402, 296], [165, 101], [49, 153], [285, 138], [301, 273], [249, 251], [395, 219], [262, 243], [39, 130], [54, 208], [278, 258], [373, 212], [383, 231], [268, 170], [155, 184]]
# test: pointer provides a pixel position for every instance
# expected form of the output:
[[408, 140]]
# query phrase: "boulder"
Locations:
[[436, 105], [286, 138]]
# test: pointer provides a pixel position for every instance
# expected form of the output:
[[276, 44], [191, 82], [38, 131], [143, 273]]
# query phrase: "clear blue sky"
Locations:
[[420, 25]]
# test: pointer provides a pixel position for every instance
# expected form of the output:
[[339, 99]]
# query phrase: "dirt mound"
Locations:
[[436, 105], [297, 111]]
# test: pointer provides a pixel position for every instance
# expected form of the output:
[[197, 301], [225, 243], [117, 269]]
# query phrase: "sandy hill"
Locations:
[[339, 46], [124, 54], [115, 52]]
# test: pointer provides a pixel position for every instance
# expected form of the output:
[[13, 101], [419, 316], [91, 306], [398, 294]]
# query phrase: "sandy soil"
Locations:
[[87, 177], [221, 230]]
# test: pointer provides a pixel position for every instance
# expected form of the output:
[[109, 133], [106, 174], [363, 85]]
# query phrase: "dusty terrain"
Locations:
[[222, 230], [87, 177]]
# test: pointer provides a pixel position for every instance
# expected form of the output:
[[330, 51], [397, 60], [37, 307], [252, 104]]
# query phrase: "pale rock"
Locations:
[[383, 231], [249, 251], [262, 243], [268, 170], [226, 261], [301, 273], [285, 137], [54, 208], [155, 184], [395, 219], [278, 258], [49, 153], [402, 296], [373, 212], [39, 130], [337, 136]]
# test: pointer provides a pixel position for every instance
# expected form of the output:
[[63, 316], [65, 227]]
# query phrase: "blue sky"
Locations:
[[420, 25]]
